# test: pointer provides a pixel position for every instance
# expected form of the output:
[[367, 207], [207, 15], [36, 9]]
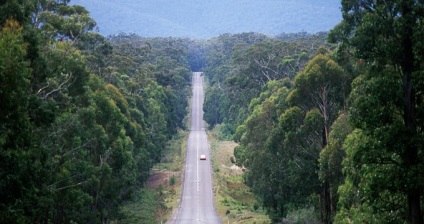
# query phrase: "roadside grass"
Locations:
[[143, 209], [173, 160], [233, 200], [173, 155], [155, 202]]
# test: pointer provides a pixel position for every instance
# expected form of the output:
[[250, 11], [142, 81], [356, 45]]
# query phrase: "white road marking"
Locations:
[[197, 173], [198, 139]]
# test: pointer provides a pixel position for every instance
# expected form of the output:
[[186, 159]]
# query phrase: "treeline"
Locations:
[[82, 117], [238, 68], [329, 132]]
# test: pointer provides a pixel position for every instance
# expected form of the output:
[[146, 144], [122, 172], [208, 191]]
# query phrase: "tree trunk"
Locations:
[[325, 192], [410, 155], [414, 209], [333, 202], [325, 204]]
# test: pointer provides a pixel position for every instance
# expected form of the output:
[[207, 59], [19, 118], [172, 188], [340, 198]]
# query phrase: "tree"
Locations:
[[331, 158], [264, 163], [386, 35], [321, 86], [64, 22], [214, 99], [15, 138], [82, 117], [239, 66]]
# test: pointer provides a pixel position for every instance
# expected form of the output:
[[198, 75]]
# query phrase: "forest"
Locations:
[[330, 123], [83, 118]]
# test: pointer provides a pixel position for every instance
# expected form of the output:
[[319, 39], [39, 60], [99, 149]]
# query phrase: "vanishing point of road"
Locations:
[[197, 201]]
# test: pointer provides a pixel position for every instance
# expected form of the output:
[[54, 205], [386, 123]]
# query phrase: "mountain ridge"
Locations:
[[205, 19]]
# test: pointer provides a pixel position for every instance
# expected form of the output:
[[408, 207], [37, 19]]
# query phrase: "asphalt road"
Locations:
[[197, 202]]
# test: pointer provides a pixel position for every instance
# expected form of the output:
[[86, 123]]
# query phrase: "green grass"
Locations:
[[174, 153], [144, 209]]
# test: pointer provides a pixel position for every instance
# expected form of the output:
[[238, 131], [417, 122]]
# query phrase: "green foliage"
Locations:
[[381, 146], [19, 11], [386, 101], [75, 145], [306, 133], [362, 193], [223, 132], [15, 154], [14, 77], [240, 66], [331, 158], [172, 180], [303, 215], [142, 209], [65, 22], [282, 138]]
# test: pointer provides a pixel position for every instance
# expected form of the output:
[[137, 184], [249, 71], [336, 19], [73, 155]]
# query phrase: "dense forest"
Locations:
[[83, 118], [328, 125]]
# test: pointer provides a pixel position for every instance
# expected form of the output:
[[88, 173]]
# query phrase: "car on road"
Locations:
[[202, 157]]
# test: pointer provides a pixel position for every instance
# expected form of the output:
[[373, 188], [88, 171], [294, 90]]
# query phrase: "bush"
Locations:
[[255, 206], [302, 215], [172, 180], [233, 159], [223, 132]]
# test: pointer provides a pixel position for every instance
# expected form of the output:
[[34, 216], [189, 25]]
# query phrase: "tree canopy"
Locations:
[[345, 138], [83, 117]]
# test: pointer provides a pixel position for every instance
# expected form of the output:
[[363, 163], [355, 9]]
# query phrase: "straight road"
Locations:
[[197, 202]]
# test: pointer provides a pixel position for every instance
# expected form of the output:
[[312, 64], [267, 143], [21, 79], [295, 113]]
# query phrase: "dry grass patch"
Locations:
[[162, 178], [233, 199]]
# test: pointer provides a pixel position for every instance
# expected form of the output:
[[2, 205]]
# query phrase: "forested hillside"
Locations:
[[327, 133], [207, 19], [83, 118]]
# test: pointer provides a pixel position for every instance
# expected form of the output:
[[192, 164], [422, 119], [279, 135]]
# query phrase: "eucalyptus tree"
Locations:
[[251, 67], [54, 78], [75, 145], [61, 21], [321, 85], [220, 52], [331, 159], [161, 59], [299, 127], [387, 100], [263, 163], [15, 140], [241, 66]]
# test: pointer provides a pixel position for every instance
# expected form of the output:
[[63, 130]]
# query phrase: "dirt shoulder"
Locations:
[[161, 178]]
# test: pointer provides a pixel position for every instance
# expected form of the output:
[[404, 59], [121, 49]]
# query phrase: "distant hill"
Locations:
[[208, 18]]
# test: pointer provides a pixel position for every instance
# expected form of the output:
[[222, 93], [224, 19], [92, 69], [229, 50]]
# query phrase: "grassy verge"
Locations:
[[172, 164], [233, 199], [155, 202]]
